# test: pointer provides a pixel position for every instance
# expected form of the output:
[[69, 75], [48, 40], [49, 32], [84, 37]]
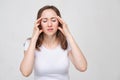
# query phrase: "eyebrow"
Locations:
[[53, 18], [44, 18], [50, 18]]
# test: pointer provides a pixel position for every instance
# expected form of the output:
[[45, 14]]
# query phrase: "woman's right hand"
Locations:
[[36, 30]]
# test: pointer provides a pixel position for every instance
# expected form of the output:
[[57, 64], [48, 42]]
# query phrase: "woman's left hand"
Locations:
[[64, 28]]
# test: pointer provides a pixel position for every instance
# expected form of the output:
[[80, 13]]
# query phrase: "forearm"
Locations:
[[77, 55], [28, 60], [27, 63]]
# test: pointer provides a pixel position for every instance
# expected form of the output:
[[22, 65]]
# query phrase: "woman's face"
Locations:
[[49, 22]]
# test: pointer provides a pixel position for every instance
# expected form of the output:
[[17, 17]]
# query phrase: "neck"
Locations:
[[50, 41]]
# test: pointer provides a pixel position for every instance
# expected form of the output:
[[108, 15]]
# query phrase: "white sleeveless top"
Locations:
[[51, 64]]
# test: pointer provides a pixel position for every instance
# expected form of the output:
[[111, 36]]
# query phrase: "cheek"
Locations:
[[43, 25], [56, 24]]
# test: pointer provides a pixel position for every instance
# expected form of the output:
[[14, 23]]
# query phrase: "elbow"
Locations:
[[81, 69], [24, 72]]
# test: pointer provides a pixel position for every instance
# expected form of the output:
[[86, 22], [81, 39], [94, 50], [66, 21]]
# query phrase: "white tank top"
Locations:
[[51, 64]]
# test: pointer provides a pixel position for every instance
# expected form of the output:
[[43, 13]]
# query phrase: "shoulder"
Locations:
[[26, 43], [28, 39]]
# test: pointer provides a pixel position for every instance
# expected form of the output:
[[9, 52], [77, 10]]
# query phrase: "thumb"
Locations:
[[61, 30], [40, 31]]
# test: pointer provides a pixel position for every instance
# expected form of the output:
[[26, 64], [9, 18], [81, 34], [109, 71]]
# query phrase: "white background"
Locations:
[[95, 25]]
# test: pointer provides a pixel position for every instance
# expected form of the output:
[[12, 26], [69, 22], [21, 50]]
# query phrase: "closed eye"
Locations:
[[44, 20], [54, 19]]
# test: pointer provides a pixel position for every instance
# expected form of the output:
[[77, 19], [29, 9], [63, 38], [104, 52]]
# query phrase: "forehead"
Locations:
[[48, 13]]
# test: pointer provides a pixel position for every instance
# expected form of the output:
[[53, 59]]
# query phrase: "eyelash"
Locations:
[[46, 21], [53, 20]]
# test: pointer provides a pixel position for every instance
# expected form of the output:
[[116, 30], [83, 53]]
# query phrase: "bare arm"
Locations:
[[27, 63], [75, 54]]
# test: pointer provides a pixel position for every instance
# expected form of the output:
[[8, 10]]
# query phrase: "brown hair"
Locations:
[[59, 34]]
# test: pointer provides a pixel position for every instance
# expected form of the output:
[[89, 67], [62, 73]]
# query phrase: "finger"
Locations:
[[38, 20], [61, 29], [36, 26], [40, 31], [60, 20]]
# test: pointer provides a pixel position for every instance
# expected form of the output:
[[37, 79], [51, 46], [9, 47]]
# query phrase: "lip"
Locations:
[[50, 29]]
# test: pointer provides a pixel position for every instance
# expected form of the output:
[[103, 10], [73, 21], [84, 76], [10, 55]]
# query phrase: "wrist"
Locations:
[[69, 38], [34, 39]]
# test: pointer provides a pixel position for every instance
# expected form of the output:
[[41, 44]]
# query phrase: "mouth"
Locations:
[[50, 29]]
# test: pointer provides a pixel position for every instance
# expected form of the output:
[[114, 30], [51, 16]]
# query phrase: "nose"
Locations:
[[49, 23]]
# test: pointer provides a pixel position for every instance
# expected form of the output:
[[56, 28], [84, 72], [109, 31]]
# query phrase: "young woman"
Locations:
[[50, 48]]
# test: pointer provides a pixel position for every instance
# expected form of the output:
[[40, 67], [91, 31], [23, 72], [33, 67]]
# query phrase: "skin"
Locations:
[[49, 25], [49, 22]]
